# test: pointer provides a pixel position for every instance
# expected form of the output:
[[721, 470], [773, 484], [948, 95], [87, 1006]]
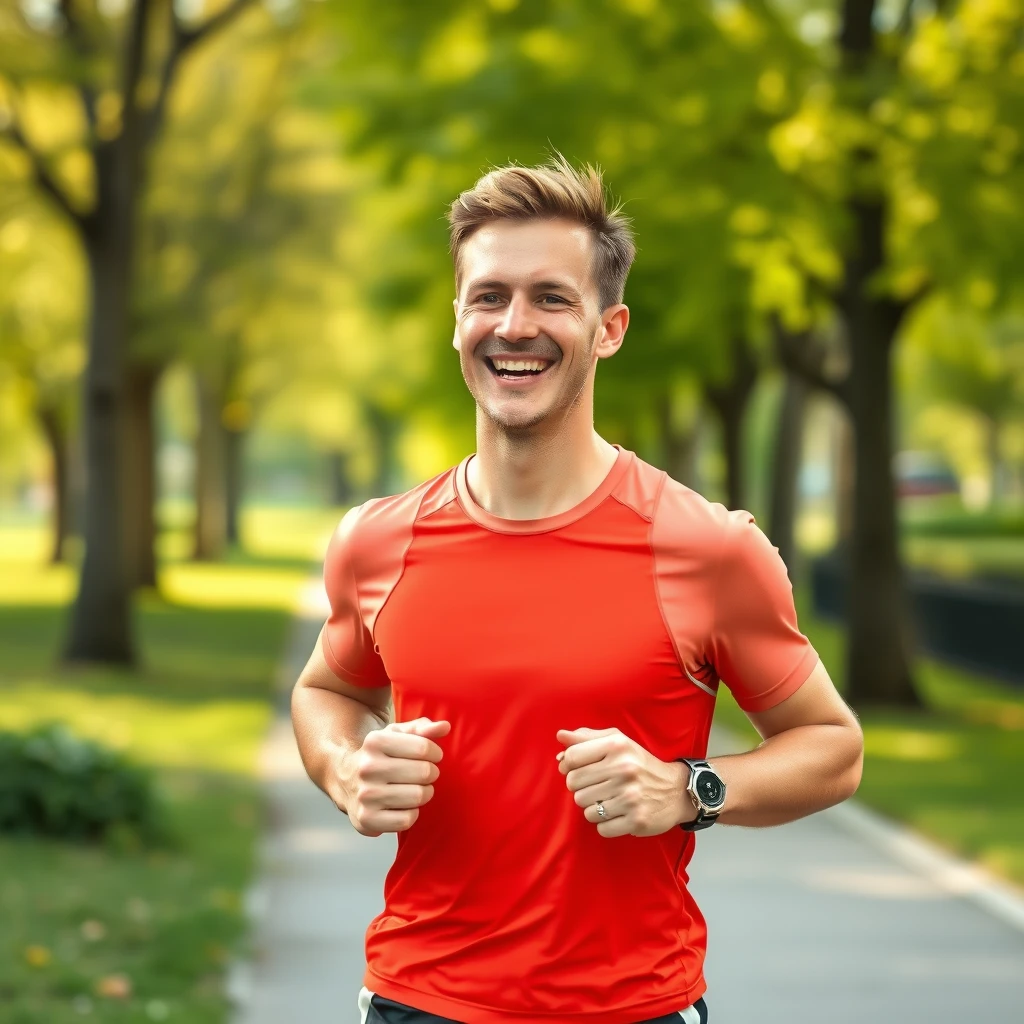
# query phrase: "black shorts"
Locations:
[[378, 1010]]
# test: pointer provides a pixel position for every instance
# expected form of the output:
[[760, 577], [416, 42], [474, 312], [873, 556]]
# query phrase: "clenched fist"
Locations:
[[641, 795], [391, 776]]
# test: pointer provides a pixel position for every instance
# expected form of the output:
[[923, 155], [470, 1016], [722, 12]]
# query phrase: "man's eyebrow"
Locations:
[[552, 285], [556, 286], [475, 285]]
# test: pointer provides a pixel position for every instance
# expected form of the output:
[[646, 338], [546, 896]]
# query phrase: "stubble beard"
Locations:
[[518, 429]]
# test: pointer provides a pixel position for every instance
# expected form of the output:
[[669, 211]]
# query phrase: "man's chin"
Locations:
[[515, 421]]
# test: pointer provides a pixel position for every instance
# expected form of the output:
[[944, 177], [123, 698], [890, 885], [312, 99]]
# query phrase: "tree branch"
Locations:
[[82, 46], [182, 40], [134, 60], [188, 37], [43, 178], [805, 355]]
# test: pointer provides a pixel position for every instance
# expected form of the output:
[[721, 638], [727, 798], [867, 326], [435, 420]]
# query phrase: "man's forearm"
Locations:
[[790, 775], [328, 728]]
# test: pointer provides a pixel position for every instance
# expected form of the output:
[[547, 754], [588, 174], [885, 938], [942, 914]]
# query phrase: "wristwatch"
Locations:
[[707, 791]]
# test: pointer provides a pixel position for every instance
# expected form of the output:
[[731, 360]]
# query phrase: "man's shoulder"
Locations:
[[656, 496], [382, 523], [683, 522]]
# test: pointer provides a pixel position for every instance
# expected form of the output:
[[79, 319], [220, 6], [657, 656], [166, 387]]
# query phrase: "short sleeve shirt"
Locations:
[[627, 611]]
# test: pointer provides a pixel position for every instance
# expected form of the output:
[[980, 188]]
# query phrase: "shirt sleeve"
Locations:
[[347, 645], [756, 647]]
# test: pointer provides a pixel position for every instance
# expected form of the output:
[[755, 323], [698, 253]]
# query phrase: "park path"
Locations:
[[835, 919]]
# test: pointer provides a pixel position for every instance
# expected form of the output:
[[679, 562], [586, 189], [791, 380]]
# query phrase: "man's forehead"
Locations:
[[534, 251]]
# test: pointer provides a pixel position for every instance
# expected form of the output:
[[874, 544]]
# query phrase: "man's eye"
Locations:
[[553, 299], [489, 299]]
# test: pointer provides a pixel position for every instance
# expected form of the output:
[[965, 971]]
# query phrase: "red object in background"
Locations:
[[923, 474]]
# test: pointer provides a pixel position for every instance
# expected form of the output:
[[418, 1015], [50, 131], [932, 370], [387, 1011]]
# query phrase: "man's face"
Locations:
[[528, 321]]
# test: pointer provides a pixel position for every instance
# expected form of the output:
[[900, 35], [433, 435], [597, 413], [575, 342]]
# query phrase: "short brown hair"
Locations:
[[555, 190]]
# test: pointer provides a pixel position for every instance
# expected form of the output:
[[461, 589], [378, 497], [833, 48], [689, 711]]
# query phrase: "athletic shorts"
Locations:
[[374, 1009]]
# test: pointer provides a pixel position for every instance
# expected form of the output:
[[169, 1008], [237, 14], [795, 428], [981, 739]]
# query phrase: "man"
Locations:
[[551, 619]]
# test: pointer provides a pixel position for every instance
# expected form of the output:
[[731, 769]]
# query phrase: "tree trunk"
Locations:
[[730, 399], [340, 486], [996, 476], [100, 624], [234, 452], [878, 648], [140, 474], [385, 430], [878, 658], [844, 485], [678, 446], [56, 434], [789, 439], [210, 491]]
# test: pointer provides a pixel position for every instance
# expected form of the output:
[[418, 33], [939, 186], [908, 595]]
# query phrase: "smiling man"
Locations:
[[551, 620]]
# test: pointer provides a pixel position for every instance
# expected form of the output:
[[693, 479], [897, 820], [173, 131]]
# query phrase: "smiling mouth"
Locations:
[[515, 369]]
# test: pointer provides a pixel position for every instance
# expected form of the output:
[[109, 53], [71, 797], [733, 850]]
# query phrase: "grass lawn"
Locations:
[[973, 806], [133, 935]]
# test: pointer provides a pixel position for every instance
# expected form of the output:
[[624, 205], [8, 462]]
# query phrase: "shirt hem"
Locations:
[[457, 1009], [786, 687], [343, 673]]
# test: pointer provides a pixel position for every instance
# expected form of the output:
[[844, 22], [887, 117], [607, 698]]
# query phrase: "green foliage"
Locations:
[[112, 933], [56, 784]]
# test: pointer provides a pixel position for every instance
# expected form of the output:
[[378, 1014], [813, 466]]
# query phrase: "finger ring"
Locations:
[[601, 812]]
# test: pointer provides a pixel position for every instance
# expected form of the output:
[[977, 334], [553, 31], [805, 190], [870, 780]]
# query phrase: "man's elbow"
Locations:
[[849, 780]]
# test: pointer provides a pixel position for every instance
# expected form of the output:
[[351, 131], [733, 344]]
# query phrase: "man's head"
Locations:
[[540, 267]]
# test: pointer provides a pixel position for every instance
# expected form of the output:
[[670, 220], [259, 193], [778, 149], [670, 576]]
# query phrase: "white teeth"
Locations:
[[518, 364]]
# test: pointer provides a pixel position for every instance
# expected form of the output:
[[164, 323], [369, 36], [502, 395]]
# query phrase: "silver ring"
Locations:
[[601, 812]]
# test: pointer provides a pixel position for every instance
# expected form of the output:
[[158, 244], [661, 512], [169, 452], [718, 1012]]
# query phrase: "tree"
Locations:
[[909, 120], [123, 74]]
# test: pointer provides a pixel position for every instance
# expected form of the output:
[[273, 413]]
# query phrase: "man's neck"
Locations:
[[534, 474]]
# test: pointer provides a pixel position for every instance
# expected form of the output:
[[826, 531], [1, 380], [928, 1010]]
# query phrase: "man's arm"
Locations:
[[331, 718], [377, 771], [811, 758]]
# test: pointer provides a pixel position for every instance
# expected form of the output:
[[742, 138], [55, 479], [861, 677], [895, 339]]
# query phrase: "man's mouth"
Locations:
[[513, 369]]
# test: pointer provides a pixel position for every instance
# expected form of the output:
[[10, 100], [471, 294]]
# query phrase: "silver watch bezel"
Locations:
[[697, 768]]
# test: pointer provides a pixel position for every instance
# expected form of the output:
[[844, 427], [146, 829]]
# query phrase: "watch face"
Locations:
[[710, 788]]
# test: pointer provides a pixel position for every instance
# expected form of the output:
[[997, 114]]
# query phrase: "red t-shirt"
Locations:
[[504, 903]]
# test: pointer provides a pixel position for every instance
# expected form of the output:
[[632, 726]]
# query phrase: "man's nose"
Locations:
[[518, 323]]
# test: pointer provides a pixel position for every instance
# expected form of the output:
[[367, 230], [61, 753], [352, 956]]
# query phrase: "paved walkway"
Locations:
[[834, 919]]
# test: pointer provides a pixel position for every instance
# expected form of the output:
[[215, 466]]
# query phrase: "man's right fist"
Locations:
[[390, 777]]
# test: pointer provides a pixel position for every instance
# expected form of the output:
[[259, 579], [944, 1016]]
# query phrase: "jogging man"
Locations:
[[552, 619]]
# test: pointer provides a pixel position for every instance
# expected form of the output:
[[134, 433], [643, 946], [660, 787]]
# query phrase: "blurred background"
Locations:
[[225, 317]]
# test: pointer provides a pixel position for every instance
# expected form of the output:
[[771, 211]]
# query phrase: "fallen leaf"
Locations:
[[114, 986], [37, 956]]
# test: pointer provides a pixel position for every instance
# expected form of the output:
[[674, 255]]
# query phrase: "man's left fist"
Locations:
[[641, 795]]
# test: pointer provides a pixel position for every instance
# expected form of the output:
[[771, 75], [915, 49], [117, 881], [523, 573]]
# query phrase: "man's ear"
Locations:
[[614, 321], [456, 344]]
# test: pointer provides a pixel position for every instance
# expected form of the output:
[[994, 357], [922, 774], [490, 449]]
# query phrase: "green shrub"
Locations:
[[53, 783]]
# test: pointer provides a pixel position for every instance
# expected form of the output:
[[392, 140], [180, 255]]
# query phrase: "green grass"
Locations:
[[953, 773], [956, 545], [115, 935]]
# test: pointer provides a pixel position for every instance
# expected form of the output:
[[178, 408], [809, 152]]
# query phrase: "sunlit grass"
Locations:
[[958, 556], [238, 586], [966, 556], [953, 772], [120, 935]]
